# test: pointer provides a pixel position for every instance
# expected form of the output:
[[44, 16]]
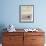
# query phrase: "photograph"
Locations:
[[26, 13]]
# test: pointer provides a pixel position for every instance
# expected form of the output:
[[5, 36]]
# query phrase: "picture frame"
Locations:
[[26, 13]]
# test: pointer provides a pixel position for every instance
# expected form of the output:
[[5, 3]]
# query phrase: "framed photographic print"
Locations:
[[26, 13]]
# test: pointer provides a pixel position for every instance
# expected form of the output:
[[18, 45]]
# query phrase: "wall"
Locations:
[[9, 13]]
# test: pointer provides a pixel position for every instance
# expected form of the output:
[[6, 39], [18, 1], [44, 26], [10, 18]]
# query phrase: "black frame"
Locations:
[[20, 14]]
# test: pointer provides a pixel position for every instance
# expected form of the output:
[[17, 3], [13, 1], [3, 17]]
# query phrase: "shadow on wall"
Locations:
[[2, 26]]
